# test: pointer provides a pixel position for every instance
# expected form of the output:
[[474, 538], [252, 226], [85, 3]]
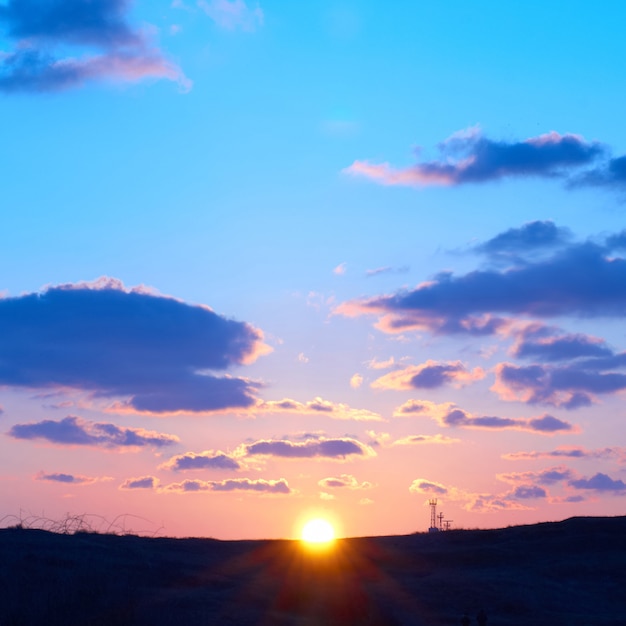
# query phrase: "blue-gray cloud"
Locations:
[[340, 448], [280, 486], [470, 157], [73, 431], [525, 492], [66, 479], [599, 482], [43, 31], [559, 348], [531, 237], [204, 460], [579, 279], [145, 482], [570, 386], [546, 424], [114, 342]]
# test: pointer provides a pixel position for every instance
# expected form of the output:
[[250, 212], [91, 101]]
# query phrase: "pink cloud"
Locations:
[[317, 406], [469, 157], [429, 375]]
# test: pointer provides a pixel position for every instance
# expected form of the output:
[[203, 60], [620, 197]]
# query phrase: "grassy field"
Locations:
[[570, 573]]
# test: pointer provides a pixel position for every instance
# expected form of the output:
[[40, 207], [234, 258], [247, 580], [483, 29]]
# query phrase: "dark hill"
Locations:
[[562, 573]]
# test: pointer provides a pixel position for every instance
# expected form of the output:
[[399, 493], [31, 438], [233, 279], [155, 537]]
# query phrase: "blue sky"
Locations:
[[409, 217]]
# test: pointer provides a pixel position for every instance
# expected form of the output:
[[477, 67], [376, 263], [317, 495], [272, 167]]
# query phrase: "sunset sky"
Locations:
[[263, 261]]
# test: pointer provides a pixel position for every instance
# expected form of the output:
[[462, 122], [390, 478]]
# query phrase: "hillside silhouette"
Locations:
[[558, 573]]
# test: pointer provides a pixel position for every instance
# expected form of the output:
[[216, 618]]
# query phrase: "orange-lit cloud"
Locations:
[[429, 375], [345, 481], [319, 407]]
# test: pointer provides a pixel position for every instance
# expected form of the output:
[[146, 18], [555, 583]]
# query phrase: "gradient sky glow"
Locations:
[[271, 260]]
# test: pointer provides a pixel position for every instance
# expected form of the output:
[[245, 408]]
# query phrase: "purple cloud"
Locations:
[[546, 424], [342, 448], [38, 28], [112, 341], [66, 479], [421, 485], [317, 406], [235, 484], [73, 431], [561, 348], [429, 375], [568, 452], [599, 482], [145, 482], [204, 460], [525, 492], [579, 280], [569, 387], [469, 157], [345, 481]]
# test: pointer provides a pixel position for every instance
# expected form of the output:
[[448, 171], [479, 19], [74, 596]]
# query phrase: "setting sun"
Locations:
[[317, 531]]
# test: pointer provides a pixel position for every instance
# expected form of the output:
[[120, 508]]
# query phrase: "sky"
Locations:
[[263, 261]]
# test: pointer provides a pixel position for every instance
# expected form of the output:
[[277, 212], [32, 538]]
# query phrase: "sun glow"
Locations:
[[318, 531]]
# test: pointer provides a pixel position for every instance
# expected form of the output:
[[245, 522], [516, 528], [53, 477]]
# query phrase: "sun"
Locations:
[[317, 531]]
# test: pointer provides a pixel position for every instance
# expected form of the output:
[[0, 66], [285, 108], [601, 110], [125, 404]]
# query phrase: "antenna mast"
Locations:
[[433, 515]]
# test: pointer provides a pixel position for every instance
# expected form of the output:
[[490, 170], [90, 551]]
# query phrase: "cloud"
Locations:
[[531, 237], [381, 365], [345, 481], [145, 482], [412, 440], [579, 280], [322, 447], [599, 482], [525, 492], [66, 479], [568, 452], [416, 407], [234, 484], [449, 415], [545, 424], [387, 269], [73, 431], [611, 173], [41, 29], [233, 14], [475, 502], [569, 387], [538, 341], [421, 485], [318, 406], [469, 157], [548, 476], [429, 375], [341, 269], [204, 460], [111, 341], [356, 381]]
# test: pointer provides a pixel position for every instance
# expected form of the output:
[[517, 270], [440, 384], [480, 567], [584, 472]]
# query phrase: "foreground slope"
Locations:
[[570, 573]]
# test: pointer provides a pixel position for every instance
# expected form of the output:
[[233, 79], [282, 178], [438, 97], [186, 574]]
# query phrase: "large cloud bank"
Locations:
[[114, 342]]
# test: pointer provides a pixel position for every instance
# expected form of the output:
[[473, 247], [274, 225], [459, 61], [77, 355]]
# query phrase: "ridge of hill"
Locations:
[[570, 573]]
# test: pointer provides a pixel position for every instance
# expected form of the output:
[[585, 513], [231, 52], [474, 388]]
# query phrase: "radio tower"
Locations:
[[433, 515]]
